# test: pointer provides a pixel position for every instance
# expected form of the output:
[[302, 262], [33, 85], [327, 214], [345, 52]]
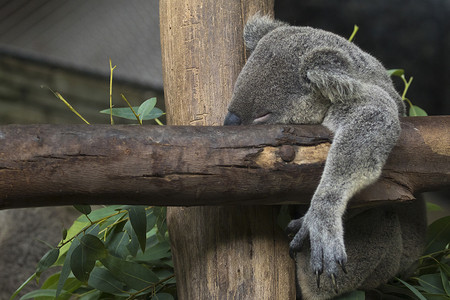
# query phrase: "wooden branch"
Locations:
[[43, 165]]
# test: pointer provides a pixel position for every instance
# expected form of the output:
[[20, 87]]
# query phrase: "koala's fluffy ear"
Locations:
[[257, 27], [330, 73]]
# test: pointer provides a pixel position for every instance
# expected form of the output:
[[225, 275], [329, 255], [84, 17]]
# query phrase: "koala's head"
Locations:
[[279, 82]]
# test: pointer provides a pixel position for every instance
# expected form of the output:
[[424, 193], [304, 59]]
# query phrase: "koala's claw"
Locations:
[[342, 264], [334, 283], [318, 273]]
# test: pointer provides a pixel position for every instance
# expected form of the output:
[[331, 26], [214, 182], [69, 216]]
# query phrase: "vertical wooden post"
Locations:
[[219, 252]]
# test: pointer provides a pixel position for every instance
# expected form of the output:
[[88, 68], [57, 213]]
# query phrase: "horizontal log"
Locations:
[[43, 165]]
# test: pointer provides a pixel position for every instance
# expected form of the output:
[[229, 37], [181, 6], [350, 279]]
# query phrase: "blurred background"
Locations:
[[65, 46]]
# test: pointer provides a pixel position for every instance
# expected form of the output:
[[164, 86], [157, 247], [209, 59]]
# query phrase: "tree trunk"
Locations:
[[219, 252]]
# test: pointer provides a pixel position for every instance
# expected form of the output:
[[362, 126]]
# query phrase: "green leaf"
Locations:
[[16, 292], [146, 107], [435, 297], [134, 275], [415, 111], [75, 229], [117, 244], [445, 282], [43, 293], [47, 261], [126, 113], [413, 289], [102, 279], [159, 251], [65, 271], [437, 235], [70, 285], [84, 209], [85, 255], [445, 268], [160, 213], [433, 207], [151, 219], [396, 72], [121, 112], [133, 246], [138, 221], [101, 213], [163, 296], [431, 283], [92, 295], [355, 295]]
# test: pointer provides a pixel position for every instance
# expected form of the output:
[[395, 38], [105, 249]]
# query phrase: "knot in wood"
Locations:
[[287, 153]]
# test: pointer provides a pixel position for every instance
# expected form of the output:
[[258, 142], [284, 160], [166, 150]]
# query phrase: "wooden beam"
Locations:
[[221, 252], [42, 165]]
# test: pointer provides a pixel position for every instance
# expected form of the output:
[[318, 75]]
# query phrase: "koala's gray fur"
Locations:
[[301, 75]]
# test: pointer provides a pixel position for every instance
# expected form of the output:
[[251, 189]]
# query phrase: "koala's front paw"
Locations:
[[327, 244]]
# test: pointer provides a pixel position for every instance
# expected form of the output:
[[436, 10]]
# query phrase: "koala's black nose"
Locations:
[[232, 119]]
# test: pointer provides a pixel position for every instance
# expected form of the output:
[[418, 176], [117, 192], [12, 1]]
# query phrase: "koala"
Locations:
[[302, 75]]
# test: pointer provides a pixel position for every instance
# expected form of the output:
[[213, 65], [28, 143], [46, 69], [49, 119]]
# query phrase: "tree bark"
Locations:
[[219, 252], [43, 165]]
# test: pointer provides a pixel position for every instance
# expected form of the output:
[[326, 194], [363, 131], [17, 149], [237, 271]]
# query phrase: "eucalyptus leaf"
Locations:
[[433, 207], [101, 213], [445, 282], [146, 107], [122, 112], [75, 229], [159, 251], [415, 111], [133, 246], [85, 255], [151, 219], [84, 209], [16, 292], [103, 280], [65, 271], [445, 268], [117, 244], [138, 221], [160, 213], [163, 296], [43, 293], [431, 283], [396, 72], [134, 275], [413, 289], [70, 285], [126, 113], [435, 296], [91, 295], [47, 261], [437, 235]]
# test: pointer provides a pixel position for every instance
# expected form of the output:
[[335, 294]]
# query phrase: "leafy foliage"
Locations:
[[116, 251], [146, 111], [414, 111]]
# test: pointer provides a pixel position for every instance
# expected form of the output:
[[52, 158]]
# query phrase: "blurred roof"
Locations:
[[83, 34]]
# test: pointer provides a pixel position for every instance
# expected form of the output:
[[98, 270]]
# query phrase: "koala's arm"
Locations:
[[365, 129]]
